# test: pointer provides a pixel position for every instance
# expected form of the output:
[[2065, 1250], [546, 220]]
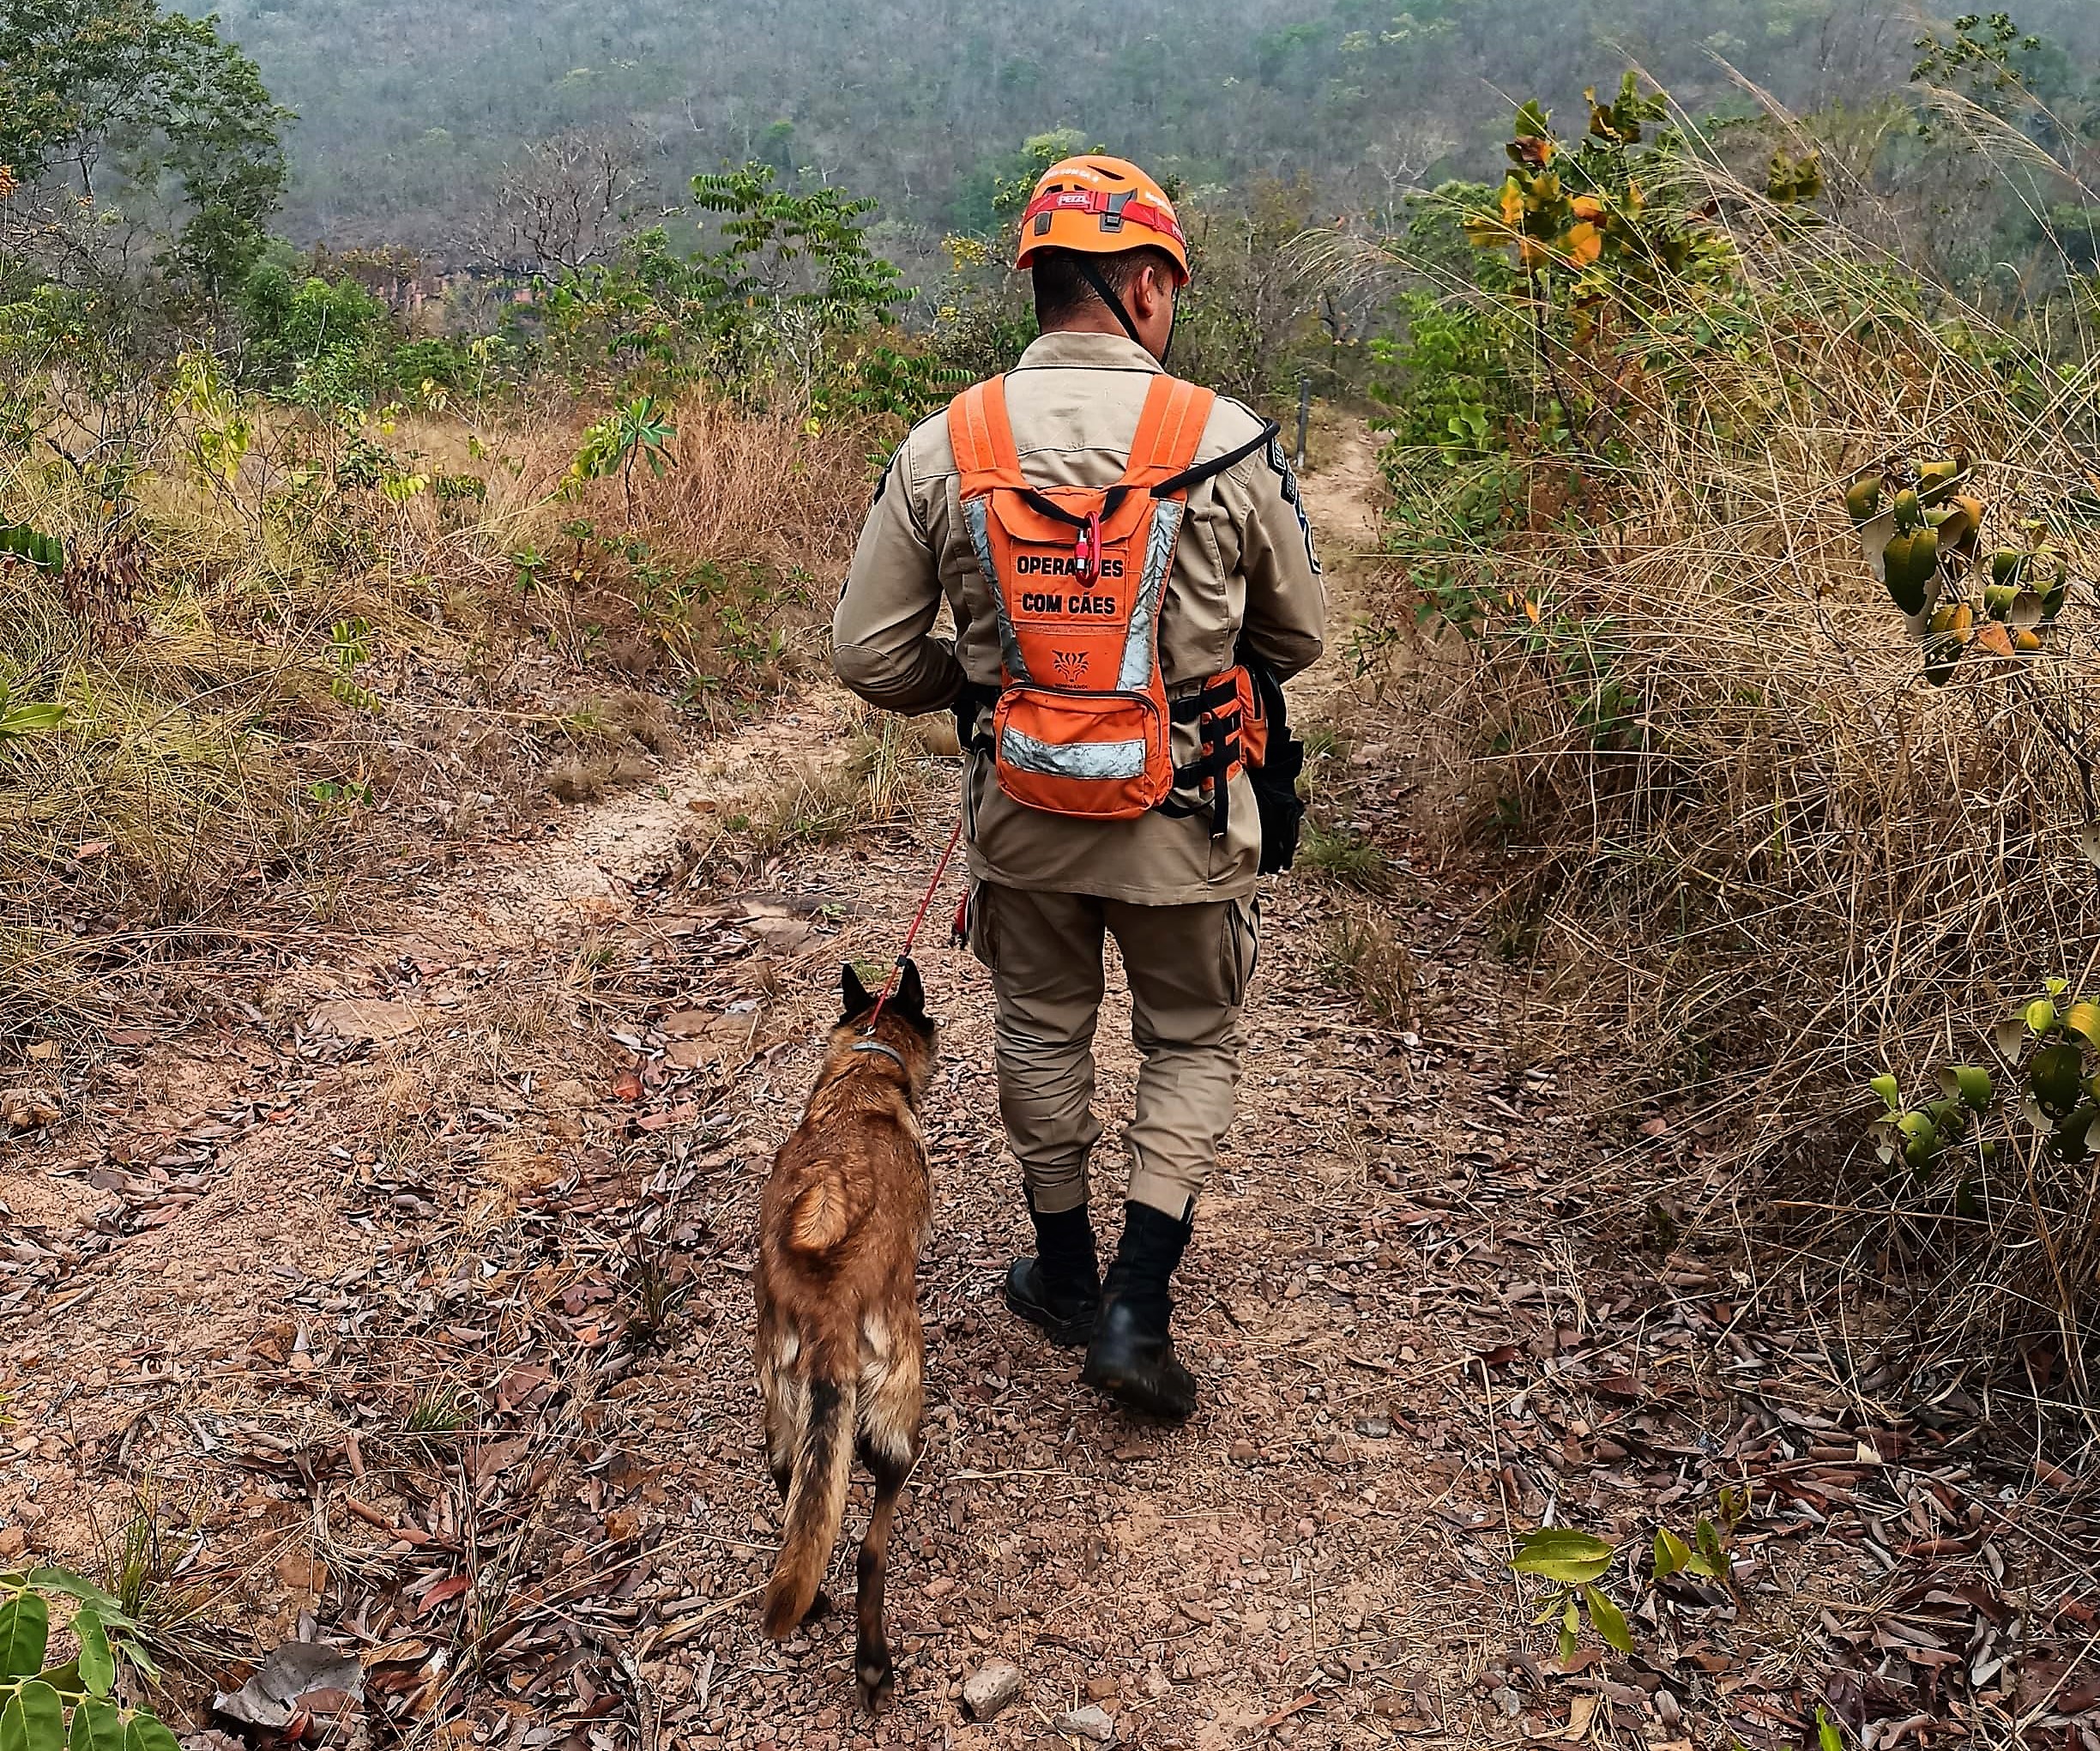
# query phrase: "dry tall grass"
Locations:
[[1758, 853], [227, 758]]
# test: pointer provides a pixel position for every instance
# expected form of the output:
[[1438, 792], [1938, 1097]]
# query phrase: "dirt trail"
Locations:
[[366, 1286]]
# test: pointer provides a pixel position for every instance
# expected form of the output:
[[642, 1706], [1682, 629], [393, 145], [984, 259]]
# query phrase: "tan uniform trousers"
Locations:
[[1189, 968]]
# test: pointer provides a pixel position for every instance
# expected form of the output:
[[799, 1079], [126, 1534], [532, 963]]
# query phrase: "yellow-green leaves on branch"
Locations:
[[1561, 1554], [1928, 545], [25, 1634], [1587, 211], [1574, 1561], [350, 647], [1620, 121], [1789, 180], [220, 432], [1936, 479], [1920, 1136], [1706, 1558], [1909, 566], [638, 431], [1969, 1084], [33, 1720], [2048, 1047]]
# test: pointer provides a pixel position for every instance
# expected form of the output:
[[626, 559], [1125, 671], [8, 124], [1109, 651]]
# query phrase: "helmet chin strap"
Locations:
[[1102, 290]]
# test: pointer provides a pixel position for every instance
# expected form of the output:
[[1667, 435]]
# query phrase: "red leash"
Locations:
[[911, 936]]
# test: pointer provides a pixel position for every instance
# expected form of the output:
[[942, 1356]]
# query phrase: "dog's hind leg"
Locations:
[[892, 1401], [781, 1394], [871, 1662]]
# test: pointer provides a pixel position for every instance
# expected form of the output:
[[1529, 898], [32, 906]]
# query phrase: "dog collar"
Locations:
[[889, 1052]]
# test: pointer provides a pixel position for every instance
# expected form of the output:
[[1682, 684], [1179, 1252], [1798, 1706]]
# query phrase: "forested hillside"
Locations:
[[407, 113]]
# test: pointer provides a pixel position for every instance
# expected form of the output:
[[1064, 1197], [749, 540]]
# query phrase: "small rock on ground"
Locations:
[[989, 1689], [1091, 1722]]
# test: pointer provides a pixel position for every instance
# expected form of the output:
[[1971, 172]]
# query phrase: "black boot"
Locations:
[[1131, 1358], [1059, 1288]]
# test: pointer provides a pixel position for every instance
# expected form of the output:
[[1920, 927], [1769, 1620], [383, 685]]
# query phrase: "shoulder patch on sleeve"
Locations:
[[1280, 465]]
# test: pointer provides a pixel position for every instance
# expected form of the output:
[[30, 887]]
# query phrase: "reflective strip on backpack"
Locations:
[[1137, 645], [976, 513], [1091, 760]]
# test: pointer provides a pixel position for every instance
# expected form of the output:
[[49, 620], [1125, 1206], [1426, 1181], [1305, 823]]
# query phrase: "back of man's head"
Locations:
[[1062, 295]]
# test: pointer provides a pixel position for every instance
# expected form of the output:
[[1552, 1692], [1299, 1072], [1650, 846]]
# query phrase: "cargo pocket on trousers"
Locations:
[[1241, 949], [981, 930]]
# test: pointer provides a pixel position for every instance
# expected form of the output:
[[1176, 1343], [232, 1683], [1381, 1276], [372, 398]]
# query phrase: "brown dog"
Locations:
[[839, 1349]]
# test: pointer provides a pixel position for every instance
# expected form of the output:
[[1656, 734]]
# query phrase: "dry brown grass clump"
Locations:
[[282, 677], [760, 486], [1759, 854]]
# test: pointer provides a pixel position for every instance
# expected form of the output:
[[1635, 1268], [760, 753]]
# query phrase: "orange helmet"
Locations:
[[1099, 206]]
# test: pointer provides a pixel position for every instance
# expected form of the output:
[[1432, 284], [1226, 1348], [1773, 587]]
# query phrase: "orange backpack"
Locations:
[[1076, 576]]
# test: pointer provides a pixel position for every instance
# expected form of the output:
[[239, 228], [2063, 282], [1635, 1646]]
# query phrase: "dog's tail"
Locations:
[[815, 1504], [822, 1213]]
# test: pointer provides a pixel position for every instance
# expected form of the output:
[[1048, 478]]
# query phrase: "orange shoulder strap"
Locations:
[[1170, 431], [983, 438]]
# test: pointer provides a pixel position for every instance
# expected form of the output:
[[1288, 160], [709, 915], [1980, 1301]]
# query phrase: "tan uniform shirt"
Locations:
[[1244, 559]]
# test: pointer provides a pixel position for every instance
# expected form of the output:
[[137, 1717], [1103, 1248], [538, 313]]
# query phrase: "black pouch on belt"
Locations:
[[1274, 780]]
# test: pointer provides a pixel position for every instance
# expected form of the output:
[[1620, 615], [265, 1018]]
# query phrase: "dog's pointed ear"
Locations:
[[854, 993], [910, 998]]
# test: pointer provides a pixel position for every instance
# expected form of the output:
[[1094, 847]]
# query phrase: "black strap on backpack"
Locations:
[[1222, 749], [970, 701], [1275, 780]]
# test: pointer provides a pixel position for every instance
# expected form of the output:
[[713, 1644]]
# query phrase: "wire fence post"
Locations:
[[1304, 414]]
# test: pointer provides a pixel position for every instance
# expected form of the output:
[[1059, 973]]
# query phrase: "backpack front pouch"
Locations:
[[1102, 757]]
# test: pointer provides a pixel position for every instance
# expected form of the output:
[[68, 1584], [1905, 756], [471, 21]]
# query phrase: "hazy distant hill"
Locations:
[[409, 108]]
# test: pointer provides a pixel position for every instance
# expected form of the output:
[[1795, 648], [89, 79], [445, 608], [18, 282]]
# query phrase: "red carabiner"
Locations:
[[1087, 551]]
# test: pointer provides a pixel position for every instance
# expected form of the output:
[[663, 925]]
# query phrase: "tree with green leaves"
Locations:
[[790, 274], [103, 101]]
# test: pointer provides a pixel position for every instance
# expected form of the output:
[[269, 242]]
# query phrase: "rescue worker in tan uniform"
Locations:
[[1175, 885]]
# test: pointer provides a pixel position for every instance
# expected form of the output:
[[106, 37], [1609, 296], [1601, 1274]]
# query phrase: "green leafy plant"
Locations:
[[73, 1704], [1574, 1562], [1587, 212], [526, 564], [220, 432], [1705, 1557], [349, 648], [20, 718], [638, 431], [344, 793], [20, 541], [2049, 1046], [1922, 530], [1919, 1136]]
